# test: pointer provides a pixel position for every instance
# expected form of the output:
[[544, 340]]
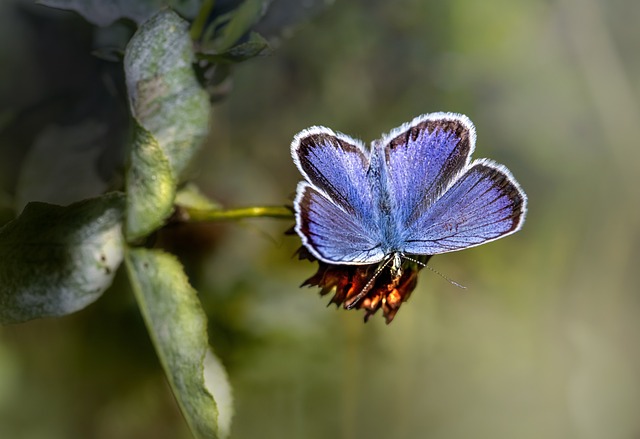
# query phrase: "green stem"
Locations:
[[198, 215]]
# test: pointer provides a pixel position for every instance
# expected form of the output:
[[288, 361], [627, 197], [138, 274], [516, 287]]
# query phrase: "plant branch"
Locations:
[[188, 214]]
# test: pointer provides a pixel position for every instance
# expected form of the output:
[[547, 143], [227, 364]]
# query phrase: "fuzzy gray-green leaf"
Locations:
[[150, 185], [164, 94], [178, 328], [190, 196], [57, 260]]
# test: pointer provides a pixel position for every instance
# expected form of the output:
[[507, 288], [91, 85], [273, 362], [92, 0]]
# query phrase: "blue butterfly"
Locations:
[[413, 192]]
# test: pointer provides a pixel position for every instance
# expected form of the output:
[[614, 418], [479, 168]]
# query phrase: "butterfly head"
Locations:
[[396, 266]]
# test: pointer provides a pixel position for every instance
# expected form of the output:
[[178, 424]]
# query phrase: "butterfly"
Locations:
[[414, 192]]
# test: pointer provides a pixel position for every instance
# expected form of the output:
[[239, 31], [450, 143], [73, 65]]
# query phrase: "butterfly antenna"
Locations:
[[452, 282], [353, 302]]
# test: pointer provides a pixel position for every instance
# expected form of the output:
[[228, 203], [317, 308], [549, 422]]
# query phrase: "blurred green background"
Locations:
[[545, 341]]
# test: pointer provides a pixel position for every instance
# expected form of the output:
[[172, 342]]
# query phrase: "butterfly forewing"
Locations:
[[422, 158], [336, 165], [485, 203]]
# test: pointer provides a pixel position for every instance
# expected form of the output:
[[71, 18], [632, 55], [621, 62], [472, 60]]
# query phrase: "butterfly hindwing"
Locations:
[[331, 234]]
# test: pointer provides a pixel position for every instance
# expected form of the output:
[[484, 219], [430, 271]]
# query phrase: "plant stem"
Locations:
[[199, 215]]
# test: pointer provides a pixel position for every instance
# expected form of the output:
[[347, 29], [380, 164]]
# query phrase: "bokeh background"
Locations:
[[543, 343]]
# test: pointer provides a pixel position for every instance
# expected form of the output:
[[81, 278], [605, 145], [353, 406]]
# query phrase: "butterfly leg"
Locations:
[[351, 303]]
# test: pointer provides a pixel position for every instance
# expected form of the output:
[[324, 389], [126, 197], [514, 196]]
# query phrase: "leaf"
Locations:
[[105, 12], [242, 20], [150, 186], [57, 260], [199, 22], [190, 196], [165, 96], [254, 46], [172, 112], [73, 178], [178, 329], [217, 383]]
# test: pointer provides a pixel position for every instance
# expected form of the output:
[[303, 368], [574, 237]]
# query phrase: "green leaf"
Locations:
[[150, 186], [178, 329], [165, 96], [57, 260], [256, 45], [198, 24], [190, 196], [217, 382], [242, 20], [105, 12]]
